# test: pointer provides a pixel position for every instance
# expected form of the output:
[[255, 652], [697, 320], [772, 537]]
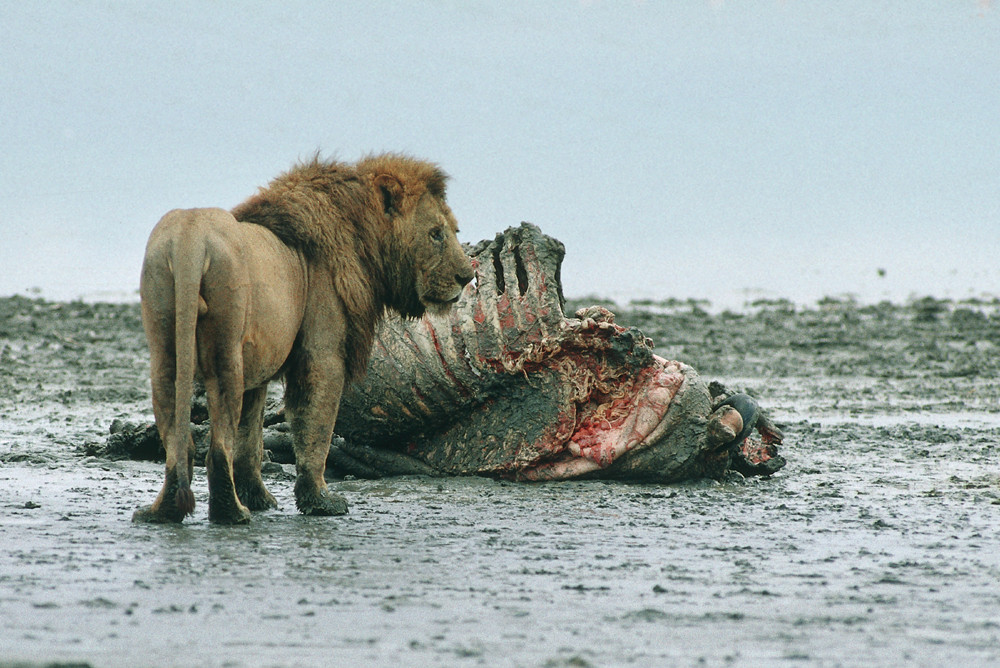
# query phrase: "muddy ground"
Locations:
[[878, 544]]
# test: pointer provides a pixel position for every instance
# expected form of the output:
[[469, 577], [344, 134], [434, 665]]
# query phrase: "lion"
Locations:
[[291, 284]]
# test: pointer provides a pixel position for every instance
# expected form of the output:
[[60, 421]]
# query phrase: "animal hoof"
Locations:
[[749, 411], [325, 504], [723, 426], [150, 515]]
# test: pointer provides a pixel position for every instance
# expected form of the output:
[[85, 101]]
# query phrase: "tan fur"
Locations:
[[293, 282]]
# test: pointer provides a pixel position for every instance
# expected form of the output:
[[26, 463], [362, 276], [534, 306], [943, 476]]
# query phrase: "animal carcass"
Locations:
[[506, 385]]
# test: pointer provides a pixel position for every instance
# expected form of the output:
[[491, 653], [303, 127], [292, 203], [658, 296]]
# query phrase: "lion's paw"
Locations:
[[256, 497], [153, 515], [228, 513], [324, 504]]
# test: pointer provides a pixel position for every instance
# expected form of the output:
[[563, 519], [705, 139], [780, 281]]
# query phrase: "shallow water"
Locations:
[[878, 544]]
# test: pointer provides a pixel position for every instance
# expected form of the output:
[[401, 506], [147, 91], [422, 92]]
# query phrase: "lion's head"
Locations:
[[427, 240], [442, 268]]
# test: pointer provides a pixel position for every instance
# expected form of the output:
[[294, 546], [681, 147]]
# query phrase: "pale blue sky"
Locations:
[[794, 147]]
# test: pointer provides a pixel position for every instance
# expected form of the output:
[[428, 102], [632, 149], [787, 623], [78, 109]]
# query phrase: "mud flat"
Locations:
[[878, 543]]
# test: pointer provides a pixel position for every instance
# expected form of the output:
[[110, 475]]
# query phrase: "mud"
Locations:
[[878, 543]]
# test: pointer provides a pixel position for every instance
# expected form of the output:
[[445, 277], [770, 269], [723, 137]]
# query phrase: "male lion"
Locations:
[[292, 283]]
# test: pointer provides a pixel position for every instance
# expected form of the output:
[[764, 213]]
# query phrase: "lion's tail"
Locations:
[[190, 261]]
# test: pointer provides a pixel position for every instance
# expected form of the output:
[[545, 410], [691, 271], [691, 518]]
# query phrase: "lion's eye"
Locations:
[[437, 234]]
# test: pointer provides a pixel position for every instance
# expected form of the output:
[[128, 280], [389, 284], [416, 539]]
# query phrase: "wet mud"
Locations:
[[877, 544]]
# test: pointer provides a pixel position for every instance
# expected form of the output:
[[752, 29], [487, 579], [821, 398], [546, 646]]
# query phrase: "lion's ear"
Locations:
[[391, 191]]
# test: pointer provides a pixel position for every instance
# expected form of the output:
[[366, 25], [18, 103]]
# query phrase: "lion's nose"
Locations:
[[464, 278]]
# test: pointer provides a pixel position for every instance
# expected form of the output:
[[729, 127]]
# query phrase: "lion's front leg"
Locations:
[[249, 451], [312, 398]]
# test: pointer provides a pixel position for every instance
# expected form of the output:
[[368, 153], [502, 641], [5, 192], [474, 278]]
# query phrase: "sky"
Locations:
[[688, 149]]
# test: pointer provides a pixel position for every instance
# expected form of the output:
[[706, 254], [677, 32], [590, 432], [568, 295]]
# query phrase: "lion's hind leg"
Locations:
[[223, 389], [172, 270], [176, 499], [248, 453], [224, 506]]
